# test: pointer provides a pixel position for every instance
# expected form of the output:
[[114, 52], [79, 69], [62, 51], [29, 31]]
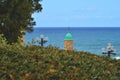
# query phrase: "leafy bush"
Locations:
[[3, 40], [50, 63]]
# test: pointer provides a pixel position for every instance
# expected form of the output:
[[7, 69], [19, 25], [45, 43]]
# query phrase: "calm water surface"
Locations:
[[85, 39]]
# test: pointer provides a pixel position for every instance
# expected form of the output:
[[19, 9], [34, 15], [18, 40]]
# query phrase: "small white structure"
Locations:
[[110, 50], [42, 40]]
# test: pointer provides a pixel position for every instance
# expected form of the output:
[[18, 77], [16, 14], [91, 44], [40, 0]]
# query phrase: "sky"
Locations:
[[78, 13]]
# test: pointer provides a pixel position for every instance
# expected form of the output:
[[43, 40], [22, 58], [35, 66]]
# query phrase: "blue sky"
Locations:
[[79, 13]]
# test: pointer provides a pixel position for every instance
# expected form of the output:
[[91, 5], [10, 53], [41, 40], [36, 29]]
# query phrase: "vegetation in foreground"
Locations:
[[50, 63], [16, 17]]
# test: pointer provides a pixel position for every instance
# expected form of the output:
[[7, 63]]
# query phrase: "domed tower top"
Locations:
[[68, 36]]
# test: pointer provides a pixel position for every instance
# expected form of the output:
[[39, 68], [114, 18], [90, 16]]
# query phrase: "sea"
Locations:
[[87, 39]]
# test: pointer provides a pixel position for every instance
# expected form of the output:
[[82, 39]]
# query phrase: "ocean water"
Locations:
[[88, 39]]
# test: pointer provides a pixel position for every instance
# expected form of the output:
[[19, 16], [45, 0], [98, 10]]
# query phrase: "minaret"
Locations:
[[68, 42]]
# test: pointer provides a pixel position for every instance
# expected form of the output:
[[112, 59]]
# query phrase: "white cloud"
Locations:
[[110, 17], [88, 8], [97, 17]]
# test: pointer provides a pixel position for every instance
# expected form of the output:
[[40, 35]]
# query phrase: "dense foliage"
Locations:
[[38, 63], [16, 15]]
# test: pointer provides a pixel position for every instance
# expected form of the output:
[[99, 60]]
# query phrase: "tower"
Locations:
[[68, 42]]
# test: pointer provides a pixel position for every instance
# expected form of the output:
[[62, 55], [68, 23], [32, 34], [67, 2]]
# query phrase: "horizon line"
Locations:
[[76, 27]]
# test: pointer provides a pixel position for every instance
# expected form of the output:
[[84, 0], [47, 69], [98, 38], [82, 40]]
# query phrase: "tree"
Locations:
[[16, 15]]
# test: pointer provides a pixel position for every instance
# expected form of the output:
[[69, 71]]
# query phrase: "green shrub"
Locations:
[[50, 63], [3, 40]]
